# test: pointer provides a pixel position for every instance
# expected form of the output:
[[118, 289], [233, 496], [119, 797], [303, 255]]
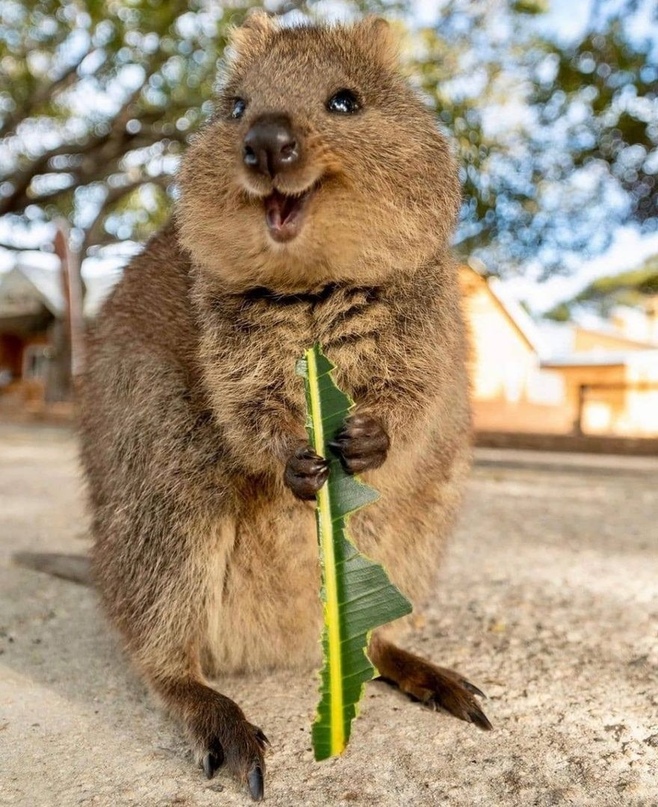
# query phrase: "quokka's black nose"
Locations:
[[270, 146]]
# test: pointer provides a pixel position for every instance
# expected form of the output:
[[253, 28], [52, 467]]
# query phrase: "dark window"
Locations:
[[35, 362]]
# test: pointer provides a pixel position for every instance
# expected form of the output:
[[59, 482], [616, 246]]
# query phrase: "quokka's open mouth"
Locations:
[[284, 214]]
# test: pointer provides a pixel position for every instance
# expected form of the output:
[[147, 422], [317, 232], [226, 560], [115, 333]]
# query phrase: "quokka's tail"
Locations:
[[75, 568]]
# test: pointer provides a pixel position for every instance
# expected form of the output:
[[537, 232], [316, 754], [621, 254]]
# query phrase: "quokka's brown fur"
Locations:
[[204, 558]]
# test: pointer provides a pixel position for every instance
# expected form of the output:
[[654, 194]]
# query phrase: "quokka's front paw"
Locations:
[[362, 444], [306, 472]]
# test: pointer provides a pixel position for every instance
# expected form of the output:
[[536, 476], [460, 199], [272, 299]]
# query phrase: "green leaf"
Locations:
[[356, 593]]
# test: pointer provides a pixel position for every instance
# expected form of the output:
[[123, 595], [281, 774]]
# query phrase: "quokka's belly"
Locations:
[[266, 610]]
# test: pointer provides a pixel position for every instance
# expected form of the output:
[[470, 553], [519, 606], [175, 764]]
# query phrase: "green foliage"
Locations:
[[558, 143], [559, 313], [476, 61], [630, 288], [531, 6], [611, 77], [356, 593]]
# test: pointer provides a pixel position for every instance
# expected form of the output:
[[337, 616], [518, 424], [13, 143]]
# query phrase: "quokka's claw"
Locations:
[[213, 760], [256, 781]]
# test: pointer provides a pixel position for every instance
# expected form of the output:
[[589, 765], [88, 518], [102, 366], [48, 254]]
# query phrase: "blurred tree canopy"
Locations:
[[596, 102], [557, 143], [632, 288]]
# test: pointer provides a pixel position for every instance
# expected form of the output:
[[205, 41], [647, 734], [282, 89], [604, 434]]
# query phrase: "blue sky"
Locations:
[[567, 17]]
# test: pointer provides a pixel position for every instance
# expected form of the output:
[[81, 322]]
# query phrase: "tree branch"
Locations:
[[45, 93], [98, 149], [94, 233]]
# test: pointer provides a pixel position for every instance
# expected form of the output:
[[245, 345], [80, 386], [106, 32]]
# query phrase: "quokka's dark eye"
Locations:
[[344, 102], [238, 107]]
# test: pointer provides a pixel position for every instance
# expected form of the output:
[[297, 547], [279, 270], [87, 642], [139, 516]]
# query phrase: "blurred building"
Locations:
[[600, 377], [35, 354], [610, 376], [510, 392]]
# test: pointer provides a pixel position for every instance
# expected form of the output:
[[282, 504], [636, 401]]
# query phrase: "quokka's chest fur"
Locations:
[[250, 345], [265, 609], [243, 332]]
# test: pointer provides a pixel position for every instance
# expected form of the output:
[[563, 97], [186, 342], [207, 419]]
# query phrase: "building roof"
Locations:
[[31, 283], [558, 338], [519, 317], [555, 342], [26, 285], [513, 311], [98, 286], [592, 359], [600, 358]]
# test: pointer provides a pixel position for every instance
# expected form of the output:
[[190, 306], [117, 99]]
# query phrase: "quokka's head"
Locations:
[[319, 165]]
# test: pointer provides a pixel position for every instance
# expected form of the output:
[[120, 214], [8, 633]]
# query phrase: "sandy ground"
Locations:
[[548, 600]]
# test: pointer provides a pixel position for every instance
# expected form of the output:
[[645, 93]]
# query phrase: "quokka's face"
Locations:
[[319, 165]]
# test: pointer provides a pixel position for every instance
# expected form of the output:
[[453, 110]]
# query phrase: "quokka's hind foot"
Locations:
[[220, 734], [437, 687]]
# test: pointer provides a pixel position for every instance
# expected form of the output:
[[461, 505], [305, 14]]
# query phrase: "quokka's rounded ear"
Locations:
[[258, 19], [379, 36], [255, 29]]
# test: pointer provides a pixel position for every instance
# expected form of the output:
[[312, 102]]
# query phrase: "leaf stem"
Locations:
[[326, 532]]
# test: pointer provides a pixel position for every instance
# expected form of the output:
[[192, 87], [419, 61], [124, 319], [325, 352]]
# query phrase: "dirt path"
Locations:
[[548, 601]]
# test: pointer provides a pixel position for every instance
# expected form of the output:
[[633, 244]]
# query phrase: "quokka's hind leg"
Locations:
[[164, 618], [217, 728], [434, 686], [165, 631]]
